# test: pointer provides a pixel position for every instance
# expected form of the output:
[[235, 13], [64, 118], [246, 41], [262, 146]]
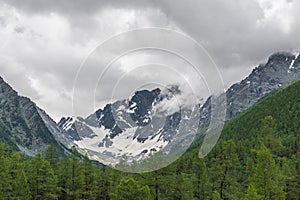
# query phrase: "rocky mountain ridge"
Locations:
[[21, 126], [134, 127], [122, 117]]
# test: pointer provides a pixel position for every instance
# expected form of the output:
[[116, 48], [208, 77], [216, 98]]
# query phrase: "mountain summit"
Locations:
[[21, 126], [135, 127], [130, 127], [280, 69], [139, 126]]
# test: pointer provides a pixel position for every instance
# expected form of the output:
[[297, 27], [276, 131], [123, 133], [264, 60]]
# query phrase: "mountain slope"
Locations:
[[280, 69], [257, 156], [283, 106], [131, 126], [136, 127], [264, 138], [20, 123], [119, 126]]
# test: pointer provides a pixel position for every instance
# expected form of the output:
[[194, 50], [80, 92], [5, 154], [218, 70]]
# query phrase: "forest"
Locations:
[[257, 157]]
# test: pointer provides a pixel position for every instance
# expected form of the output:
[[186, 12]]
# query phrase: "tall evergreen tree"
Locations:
[[224, 169], [88, 179], [295, 179], [19, 180], [130, 190], [252, 193], [103, 184], [42, 179], [266, 177], [71, 176], [52, 157], [201, 182], [6, 180]]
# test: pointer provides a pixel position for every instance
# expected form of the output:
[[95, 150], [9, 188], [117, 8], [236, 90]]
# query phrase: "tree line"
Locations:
[[256, 158]]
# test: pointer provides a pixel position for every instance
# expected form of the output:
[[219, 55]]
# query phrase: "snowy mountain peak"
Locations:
[[136, 127], [150, 121]]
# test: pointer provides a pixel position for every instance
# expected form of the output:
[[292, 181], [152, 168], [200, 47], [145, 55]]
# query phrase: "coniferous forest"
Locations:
[[257, 157]]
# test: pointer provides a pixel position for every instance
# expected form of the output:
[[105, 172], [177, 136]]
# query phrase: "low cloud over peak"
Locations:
[[43, 43]]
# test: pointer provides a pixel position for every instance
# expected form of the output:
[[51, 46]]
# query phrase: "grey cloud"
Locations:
[[19, 29], [2, 21], [228, 29], [225, 28], [75, 7]]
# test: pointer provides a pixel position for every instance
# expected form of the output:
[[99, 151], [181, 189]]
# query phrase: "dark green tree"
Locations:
[[130, 190], [266, 177], [20, 184], [89, 179], [42, 179], [224, 170], [252, 193], [52, 157], [201, 182], [71, 176], [6, 180]]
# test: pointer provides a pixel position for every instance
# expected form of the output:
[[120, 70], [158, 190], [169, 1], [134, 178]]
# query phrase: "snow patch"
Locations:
[[68, 124], [122, 145], [92, 143], [132, 108], [293, 61]]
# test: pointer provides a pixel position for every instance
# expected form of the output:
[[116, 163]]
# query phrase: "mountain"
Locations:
[[256, 157], [132, 127], [21, 126], [260, 149], [138, 126], [280, 69]]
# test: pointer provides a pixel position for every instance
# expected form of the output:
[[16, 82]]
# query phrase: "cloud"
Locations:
[[46, 50], [43, 43]]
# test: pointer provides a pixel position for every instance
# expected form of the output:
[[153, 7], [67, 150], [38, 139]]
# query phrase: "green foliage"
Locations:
[[224, 170], [42, 179], [267, 176], [202, 186], [257, 157], [252, 193], [130, 190]]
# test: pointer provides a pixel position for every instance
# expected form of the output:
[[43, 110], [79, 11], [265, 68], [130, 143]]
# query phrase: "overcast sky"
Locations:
[[44, 42]]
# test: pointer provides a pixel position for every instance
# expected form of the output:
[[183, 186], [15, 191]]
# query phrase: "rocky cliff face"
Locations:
[[20, 123], [135, 127], [280, 69], [129, 127]]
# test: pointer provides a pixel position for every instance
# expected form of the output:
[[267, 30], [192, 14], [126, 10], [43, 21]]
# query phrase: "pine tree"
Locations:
[[267, 176], [19, 180], [71, 176], [287, 169], [184, 186], [88, 179], [201, 182], [103, 183], [224, 170], [6, 180], [252, 193], [269, 132], [130, 190], [52, 157], [295, 180], [42, 179]]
